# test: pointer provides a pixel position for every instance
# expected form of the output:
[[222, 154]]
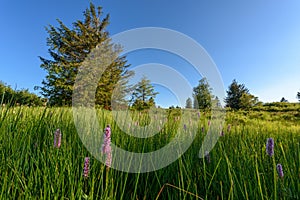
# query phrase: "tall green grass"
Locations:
[[31, 168]]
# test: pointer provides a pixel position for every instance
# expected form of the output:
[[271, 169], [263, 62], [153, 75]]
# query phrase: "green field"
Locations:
[[239, 167]]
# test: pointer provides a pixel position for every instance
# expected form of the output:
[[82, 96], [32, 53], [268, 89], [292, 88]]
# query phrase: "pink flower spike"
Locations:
[[228, 127], [57, 138], [108, 159], [86, 167], [106, 148], [222, 133], [107, 131], [270, 146], [279, 170]]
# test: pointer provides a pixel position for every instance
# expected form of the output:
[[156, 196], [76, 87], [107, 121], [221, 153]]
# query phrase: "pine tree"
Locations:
[[298, 96], [68, 49], [283, 100], [203, 95], [143, 95], [238, 97], [188, 103]]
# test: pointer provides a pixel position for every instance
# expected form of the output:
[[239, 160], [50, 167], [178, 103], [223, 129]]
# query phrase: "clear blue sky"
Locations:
[[255, 42]]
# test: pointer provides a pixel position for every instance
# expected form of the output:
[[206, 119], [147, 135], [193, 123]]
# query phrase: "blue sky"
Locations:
[[255, 42]]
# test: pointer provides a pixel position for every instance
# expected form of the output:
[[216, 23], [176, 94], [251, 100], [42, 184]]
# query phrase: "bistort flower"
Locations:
[[270, 146], [106, 148], [86, 167], [57, 138], [279, 170]]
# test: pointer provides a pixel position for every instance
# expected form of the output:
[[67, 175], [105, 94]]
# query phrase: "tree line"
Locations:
[[238, 97], [69, 47], [19, 97]]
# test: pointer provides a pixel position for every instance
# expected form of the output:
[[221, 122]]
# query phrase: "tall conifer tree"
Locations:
[[68, 48]]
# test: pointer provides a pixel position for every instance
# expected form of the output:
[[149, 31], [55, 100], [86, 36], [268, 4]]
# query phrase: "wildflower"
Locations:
[[106, 148], [270, 146], [279, 170], [228, 127], [107, 131], [202, 129], [57, 138], [222, 133], [184, 127], [86, 167], [208, 123], [207, 156], [108, 160], [198, 114], [106, 144]]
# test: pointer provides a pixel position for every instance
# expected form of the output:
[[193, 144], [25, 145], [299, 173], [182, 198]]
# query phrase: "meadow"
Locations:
[[238, 167]]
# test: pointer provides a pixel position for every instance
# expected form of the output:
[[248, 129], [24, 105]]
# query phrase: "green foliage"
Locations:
[[238, 97], [248, 101], [143, 95], [285, 112], [278, 106], [202, 95], [239, 167], [18, 97], [68, 49], [189, 103]]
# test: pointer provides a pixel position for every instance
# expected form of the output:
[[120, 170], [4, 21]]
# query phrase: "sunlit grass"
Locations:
[[32, 168]]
